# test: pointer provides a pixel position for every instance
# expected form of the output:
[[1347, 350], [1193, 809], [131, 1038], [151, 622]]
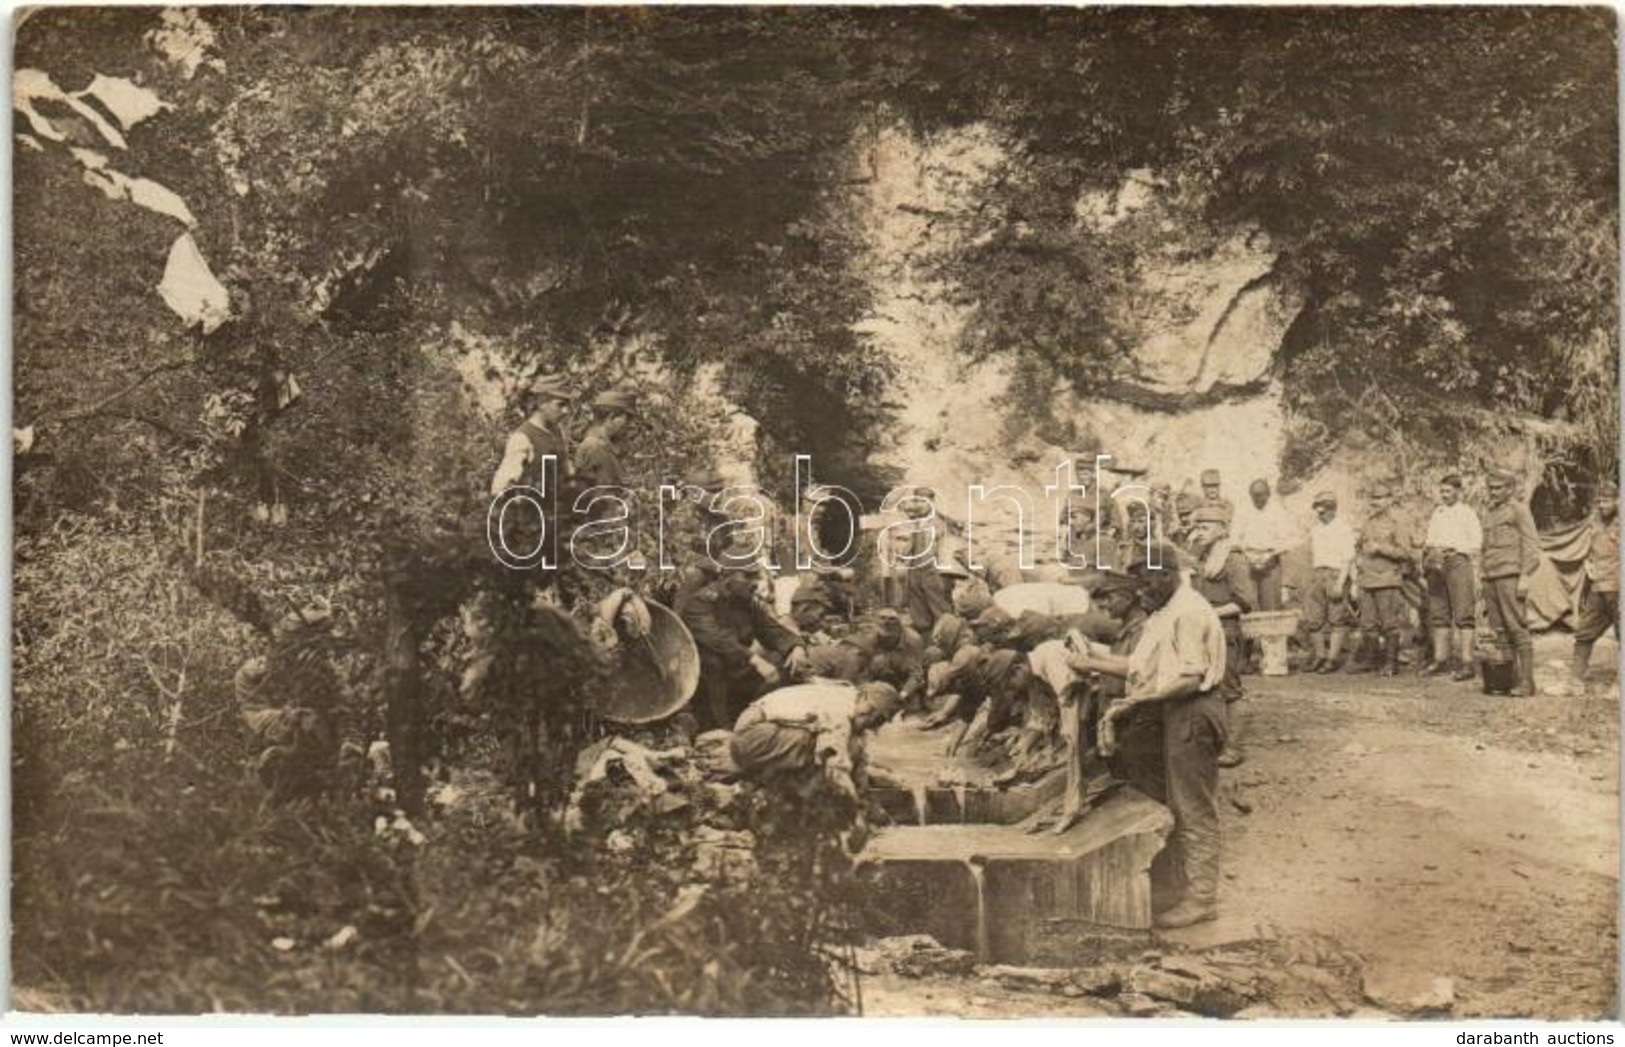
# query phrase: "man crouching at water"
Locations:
[[1177, 666], [795, 735]]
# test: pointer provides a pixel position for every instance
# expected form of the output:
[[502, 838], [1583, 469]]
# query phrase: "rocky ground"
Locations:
[[1393, 847]]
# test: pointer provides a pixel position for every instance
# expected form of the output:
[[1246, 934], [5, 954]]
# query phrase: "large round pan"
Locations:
[[652, 678]]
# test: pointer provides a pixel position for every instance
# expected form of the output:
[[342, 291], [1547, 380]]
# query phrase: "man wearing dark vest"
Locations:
[[541, 434]]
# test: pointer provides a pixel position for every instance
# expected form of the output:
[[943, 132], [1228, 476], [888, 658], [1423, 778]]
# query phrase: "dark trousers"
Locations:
[[1506, 611], [1450, 594], [1599, 612], [723, 693], [1194, 732], [1382, 610]]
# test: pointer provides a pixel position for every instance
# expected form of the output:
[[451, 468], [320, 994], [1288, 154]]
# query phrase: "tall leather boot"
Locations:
[[1523, 660], [1387, 654], [1580, 662], [1466, 661], [1317, 651], [1334, 651], [1364, 659], [1441, 653]]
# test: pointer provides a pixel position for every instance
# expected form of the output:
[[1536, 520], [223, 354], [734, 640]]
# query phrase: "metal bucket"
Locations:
[[653, 678]]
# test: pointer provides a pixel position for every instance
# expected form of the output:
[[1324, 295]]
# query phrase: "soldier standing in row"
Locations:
[[1511, 556], [1384, 556], [1454, 537], [1599, 592]]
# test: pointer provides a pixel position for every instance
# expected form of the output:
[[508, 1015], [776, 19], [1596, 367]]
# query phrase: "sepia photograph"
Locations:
[[914, 512]]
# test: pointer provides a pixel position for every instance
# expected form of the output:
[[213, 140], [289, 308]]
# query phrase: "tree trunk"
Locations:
[[403, 689]]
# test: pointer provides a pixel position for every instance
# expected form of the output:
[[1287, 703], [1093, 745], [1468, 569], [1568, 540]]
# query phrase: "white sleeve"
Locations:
[[514, 459]]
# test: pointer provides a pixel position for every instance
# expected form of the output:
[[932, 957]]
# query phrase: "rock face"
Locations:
[[1206, 319]]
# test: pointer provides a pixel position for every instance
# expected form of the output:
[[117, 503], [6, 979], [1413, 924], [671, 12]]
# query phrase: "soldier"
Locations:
[[1082, 695], [1453, 539], [725, 616], [289, 701], [796, 737], [1599, 593], [1511, 557], [893, 654], [1211, 496], [596, 462], [1384, 556], [1325, 601], [822, 593], [925, 593], [982, 683], [541, 434], [1219, 578]]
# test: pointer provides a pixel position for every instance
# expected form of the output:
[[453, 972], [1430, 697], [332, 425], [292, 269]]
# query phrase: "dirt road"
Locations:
[[1431, 829]]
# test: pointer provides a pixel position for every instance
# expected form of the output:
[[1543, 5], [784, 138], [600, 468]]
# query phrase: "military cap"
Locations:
[[1185, 502], [1452, 480], [888, 614], [1325, 498], [1210, 477], [1502, 478], [1379, 489], [616, 400], [1206, 514], [553, 387]]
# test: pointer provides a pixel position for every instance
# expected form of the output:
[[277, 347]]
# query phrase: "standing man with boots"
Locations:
[[1176, 667], [1453, 539], [1384, 555], [1511, 556], [1325, 601], [1599, 595]]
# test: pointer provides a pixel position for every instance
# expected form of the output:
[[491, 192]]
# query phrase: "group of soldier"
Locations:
[[1141, 682], [1467, 566]]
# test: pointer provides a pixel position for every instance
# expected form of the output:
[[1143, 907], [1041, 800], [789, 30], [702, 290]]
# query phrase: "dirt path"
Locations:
[[1436, 831], [1431, 829]]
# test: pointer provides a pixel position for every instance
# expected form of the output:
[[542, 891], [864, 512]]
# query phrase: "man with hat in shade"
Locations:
[[1599, 595], [725, 617], [1325, 599], [541, 434], [596, 462], [1511, 557], [1384, 556], [1211, 496], [1453, 539]]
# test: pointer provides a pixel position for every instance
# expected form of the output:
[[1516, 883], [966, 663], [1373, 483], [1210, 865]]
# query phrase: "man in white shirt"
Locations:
[[1261, 533], [1176, 666], [1454, 538], [1325, 602], [797, 732]]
